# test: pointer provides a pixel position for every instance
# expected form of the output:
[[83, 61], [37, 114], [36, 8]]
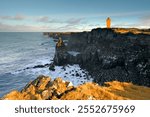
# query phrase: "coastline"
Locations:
[[110, 58], [28, 55]]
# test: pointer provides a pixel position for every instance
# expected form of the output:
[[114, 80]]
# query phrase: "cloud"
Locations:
[[114, 14], [74, 21], [35, 28], [141, 22], [71, 24], [145, 21], [45, 23], [71, 21], [19, 17], [16, 17], [68, 28], [21, 28], [94, 25], [44, 19]]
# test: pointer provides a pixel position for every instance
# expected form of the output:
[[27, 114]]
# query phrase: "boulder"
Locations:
[[52, 67]]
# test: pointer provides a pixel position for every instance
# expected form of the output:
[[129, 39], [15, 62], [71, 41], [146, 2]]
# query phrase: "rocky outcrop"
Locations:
[[109, 55], [43, 88]]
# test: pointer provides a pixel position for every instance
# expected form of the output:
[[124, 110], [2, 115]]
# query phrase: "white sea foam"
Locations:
[[72, 73], [73, 53]]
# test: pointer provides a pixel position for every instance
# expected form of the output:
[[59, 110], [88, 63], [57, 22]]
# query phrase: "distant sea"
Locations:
[[21, 50]]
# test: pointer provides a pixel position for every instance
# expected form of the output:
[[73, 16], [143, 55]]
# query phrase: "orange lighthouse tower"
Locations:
[[108, 22]]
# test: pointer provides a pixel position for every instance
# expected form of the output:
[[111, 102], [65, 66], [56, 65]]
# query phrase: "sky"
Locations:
[[71, 15]]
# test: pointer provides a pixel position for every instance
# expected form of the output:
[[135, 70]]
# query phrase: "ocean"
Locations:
[[21, 51]]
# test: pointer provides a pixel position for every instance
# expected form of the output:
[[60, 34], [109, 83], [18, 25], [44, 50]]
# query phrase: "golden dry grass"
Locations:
[[132, 30], [128, 90], [44, 88], [113, 90]]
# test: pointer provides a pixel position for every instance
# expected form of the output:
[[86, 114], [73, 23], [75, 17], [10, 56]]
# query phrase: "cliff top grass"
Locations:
[[43, 88], [117, 30], [132, 30]]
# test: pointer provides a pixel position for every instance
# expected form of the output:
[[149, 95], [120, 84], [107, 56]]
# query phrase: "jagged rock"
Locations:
[[52, 67], [43, 88], [77, 74], [60, 43], [61, 53], [69, 84], [39, 66], [39, 83], [46, 94]]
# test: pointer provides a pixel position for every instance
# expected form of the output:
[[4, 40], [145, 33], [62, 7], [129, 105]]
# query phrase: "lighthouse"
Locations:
[[108, 22]]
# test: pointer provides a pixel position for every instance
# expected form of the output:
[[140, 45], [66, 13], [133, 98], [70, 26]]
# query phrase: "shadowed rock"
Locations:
[[108, 54]]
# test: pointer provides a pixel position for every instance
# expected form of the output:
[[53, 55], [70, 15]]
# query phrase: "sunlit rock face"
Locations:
[[43, 88], [109, 54]]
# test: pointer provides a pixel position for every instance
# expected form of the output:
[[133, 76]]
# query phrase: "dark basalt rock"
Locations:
[[52, 67], [108, 55], [77, 75]]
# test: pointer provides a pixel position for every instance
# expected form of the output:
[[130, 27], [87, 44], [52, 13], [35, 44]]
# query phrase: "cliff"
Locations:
[[109, 54], [43, 88]]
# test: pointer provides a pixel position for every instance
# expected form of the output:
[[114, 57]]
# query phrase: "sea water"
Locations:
[[21, 50]]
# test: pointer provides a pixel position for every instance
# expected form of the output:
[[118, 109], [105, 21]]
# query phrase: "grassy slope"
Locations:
[[44, 88]]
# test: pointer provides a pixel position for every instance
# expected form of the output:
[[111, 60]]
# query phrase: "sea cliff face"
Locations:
[[109, 54], [43, 88]]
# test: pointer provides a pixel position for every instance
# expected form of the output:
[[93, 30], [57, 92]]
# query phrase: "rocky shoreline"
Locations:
[[108, 54], [43, 88], [118, 60]]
